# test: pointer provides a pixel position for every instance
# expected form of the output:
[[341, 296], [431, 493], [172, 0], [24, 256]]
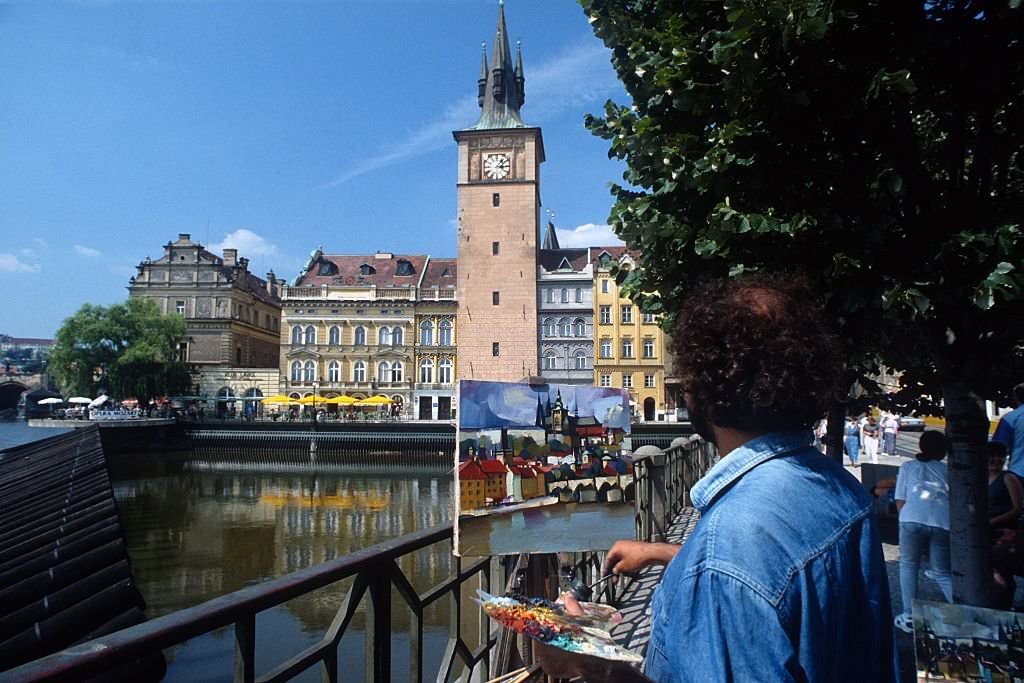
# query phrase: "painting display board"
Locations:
[[542, 468], [963, 643]]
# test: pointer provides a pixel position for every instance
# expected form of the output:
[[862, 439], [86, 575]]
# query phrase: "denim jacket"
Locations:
[[782, 579]]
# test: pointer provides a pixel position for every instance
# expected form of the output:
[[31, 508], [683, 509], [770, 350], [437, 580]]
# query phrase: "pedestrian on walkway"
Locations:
[[1010, 432], [890, 427], [851, 440], [783, 577], [869, 435], [1004, 490], [922, 498]]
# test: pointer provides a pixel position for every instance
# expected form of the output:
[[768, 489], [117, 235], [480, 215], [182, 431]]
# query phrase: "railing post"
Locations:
[[378, 628], [245, 649], [656, 506]]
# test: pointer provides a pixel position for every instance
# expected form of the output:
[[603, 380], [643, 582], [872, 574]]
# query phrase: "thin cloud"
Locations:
[[9, 263], [580, 74], [588, 235], [247, 242], [88, 252]]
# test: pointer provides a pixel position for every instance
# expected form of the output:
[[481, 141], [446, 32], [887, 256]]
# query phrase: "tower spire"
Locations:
[[500, 87]]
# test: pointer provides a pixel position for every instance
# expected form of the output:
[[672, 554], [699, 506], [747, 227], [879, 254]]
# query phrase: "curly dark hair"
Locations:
[[755, 353]]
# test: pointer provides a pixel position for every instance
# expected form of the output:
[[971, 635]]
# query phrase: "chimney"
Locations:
[[230, 257], [184, 237], [383, 255]]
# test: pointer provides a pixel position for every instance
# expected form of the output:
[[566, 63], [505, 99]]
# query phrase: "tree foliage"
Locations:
[[873, 146], [126, 349]]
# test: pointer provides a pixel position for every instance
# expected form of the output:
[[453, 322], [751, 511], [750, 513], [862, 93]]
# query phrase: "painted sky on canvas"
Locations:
[[487, 405]]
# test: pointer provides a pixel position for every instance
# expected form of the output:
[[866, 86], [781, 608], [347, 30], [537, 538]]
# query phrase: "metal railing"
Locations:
[[663, 480]]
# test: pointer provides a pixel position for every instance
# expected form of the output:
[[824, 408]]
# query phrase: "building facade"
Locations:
[[232, 317], [565, 313], [630, 345], [355, 325], [498, 200]]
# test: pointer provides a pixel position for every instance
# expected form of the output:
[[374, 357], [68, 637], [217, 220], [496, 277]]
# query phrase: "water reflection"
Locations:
[[195, 536]]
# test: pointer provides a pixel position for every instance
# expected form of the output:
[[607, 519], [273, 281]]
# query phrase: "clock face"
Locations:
[[496, 166]]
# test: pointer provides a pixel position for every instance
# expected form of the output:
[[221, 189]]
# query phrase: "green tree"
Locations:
[[874, 147], [126, 349]]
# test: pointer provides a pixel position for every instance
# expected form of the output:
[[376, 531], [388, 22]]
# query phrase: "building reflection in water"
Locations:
[[195, 536]]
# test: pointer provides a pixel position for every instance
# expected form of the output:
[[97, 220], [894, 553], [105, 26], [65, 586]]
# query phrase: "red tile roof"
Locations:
[[441, 272], [493, 466], [349, 270]]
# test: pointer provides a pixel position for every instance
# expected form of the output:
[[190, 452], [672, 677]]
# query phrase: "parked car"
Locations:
[[911, 423]]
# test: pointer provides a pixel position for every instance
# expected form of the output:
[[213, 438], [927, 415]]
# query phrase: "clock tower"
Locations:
[[498, 189]]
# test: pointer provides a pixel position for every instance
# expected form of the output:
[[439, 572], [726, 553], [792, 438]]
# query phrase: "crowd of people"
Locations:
[[864, 435]]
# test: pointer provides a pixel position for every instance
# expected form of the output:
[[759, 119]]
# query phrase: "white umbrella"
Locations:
[[98, 401], [79, 399], [50, 401]]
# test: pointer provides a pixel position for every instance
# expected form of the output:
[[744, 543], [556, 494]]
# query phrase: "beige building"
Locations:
[[354, 325], [498, 189], [232, 317], [629, 345]]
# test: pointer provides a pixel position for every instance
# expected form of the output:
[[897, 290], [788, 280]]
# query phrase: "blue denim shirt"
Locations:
[[782, 579]]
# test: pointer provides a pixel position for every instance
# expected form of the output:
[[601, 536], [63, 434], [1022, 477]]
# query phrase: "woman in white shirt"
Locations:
[[922, 498]]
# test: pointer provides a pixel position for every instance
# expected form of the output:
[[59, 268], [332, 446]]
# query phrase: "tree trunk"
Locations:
[[966, 432], [834, 438]]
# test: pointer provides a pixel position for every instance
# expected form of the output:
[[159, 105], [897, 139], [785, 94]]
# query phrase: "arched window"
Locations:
[[444, 333], [297, 335], [359, 371], [396, 371], [396, 336], [426, 333], [297, 371], [309, 371], [549, 360], [565, 295], [384, 336], [426, 371], [383, 372], [563, 327], [360, 336], [334, 371], [444, 371], [310, 335], [334, 335], [549, 327], [579, 328], [581, 360]]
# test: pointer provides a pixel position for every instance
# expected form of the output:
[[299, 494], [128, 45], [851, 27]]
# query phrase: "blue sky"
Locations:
[[270, 127]]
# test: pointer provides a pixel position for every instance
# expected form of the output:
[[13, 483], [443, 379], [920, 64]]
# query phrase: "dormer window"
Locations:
[[367, 269], [327, 268], [564, 265], [605, 258], [404, 268], [446, 272]]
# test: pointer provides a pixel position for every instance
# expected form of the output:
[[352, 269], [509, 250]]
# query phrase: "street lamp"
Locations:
[[316, 385]]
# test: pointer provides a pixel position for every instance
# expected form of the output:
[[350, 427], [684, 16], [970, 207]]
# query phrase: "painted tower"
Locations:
[[498, 220]]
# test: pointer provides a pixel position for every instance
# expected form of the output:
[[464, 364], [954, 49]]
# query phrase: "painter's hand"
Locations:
[[628, 557]]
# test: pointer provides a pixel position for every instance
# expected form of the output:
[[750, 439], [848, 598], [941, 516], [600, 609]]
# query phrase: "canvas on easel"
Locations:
[[542, 468]]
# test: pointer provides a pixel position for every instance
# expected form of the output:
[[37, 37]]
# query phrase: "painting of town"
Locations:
[[963, 643], [542, 468]]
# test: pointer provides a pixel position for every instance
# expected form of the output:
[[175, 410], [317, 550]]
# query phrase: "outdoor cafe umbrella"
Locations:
[[375, 401], [49, 401], [308, 400], [340, 400], [98, 401], [79, 399]]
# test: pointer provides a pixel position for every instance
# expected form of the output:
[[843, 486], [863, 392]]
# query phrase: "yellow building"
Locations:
[[629, 346], [350, 327]]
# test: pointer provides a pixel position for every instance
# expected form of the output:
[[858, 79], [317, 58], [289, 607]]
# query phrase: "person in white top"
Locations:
[[922, 498]]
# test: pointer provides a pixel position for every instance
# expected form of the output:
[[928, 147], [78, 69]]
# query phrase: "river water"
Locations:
[[193, 536]]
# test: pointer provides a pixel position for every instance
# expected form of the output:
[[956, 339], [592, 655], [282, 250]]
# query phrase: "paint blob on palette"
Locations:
[[548, 623]]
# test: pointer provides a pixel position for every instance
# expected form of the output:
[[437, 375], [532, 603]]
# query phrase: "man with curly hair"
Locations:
[[783, 577]]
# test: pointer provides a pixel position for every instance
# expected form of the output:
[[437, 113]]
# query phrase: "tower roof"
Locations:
[[501, 90], [550, 240]]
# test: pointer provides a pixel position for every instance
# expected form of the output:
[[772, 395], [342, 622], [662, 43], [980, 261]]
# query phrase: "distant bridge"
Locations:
[[12, 386]]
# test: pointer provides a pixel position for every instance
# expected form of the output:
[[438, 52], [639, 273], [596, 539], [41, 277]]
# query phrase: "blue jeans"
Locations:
[[889, 443], [914, 540], [852, 445]]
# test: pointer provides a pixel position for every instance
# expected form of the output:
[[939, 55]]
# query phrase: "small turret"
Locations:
[[481, 83], [520, 80]]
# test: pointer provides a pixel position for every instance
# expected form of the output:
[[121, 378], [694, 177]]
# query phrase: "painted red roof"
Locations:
[[471, 470], [493, 466]]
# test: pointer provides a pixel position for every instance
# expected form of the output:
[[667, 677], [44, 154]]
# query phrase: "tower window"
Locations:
[[495, 349], [495, 298], [496, 199], [494, 248]]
